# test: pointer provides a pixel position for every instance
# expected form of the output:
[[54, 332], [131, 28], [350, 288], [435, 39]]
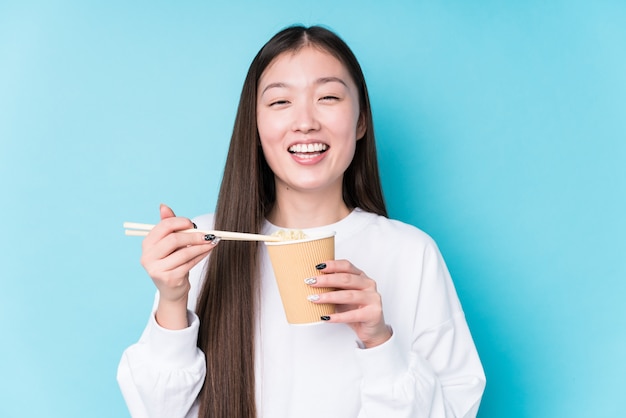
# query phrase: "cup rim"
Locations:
[[314, 237]]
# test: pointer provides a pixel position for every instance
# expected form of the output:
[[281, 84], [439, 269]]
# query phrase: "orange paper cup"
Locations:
[[293, 261]]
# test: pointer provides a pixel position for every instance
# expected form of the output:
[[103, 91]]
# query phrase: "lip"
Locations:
[[309, 160]]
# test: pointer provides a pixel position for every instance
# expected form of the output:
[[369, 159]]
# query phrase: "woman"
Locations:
[[302, 156]]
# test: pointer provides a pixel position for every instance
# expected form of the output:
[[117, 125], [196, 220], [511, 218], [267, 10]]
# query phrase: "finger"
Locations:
[[343, 281], [338, 266], [370, 328], [181, 269], [172, 243], [187, 255], [167, 226], [169, 223], [348, 297], [178, 263], [166, 212], [364, 315]]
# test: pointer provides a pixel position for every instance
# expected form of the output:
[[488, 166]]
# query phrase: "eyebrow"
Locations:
[[321, 80]]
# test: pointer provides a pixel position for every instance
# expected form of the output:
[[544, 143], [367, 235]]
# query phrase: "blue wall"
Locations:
[[502, 133]]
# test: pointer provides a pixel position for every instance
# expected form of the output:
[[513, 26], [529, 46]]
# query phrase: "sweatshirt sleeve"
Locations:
[[436, 372], [162, 374]]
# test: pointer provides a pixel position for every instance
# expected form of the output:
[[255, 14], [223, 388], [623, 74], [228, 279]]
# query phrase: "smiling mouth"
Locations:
[[308, 150]]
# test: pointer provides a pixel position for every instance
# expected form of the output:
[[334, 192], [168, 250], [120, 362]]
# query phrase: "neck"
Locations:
[[297, 210]]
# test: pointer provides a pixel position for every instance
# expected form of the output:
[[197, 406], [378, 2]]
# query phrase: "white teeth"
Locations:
[[301, 148]]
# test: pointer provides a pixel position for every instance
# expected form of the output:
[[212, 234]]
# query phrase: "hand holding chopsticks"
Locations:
[[141, 230]]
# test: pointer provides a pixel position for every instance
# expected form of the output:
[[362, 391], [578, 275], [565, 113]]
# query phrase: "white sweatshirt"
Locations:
[[429, 367]]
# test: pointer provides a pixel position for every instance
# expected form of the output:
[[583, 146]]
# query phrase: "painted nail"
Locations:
[[325, 318], [321, 266], [313, 298], [209, 237], [195, 226], [310, 280]]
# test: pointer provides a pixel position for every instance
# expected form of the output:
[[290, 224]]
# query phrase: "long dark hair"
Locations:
[[227, 303]]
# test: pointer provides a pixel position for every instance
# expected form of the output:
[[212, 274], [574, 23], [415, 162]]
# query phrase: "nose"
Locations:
[[305, 118]]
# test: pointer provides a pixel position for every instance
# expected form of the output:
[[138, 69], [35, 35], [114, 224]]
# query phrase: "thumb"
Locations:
[[166, 212]]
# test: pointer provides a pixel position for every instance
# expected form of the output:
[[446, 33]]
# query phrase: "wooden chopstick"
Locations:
[[141, 230]]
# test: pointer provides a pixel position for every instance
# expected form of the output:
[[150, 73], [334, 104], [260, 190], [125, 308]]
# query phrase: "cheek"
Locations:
[[270, 139], [345, 124], [270, 129], [270, 155]]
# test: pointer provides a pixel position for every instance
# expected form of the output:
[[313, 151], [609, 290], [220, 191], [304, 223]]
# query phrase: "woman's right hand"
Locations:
[[167, 256]]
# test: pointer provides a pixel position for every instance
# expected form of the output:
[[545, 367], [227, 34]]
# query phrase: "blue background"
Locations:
[[501, 129]]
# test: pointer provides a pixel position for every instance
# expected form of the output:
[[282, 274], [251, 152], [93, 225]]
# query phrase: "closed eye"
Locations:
[[279, 102], [329, 98]]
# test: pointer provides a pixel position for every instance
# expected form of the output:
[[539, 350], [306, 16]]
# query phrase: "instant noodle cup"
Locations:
[[294, 261]]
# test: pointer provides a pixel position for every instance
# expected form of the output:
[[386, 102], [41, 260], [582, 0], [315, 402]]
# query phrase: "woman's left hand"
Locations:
[[357, 301]]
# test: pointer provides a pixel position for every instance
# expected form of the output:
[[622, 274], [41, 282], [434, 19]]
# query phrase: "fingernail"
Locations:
[[321, 266], [313, 298], [310, 280], [325, 318], [194, 226], [209, 237]]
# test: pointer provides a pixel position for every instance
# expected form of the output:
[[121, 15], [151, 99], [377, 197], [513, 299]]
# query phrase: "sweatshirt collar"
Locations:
[[344, 228]]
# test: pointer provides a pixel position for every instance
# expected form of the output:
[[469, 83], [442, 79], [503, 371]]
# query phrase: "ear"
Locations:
[[361, 127]]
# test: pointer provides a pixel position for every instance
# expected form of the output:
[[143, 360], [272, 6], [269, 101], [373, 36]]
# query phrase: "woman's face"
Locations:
[[308, 120]]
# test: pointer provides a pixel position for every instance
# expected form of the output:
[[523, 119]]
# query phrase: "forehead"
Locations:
[[308, 60]]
